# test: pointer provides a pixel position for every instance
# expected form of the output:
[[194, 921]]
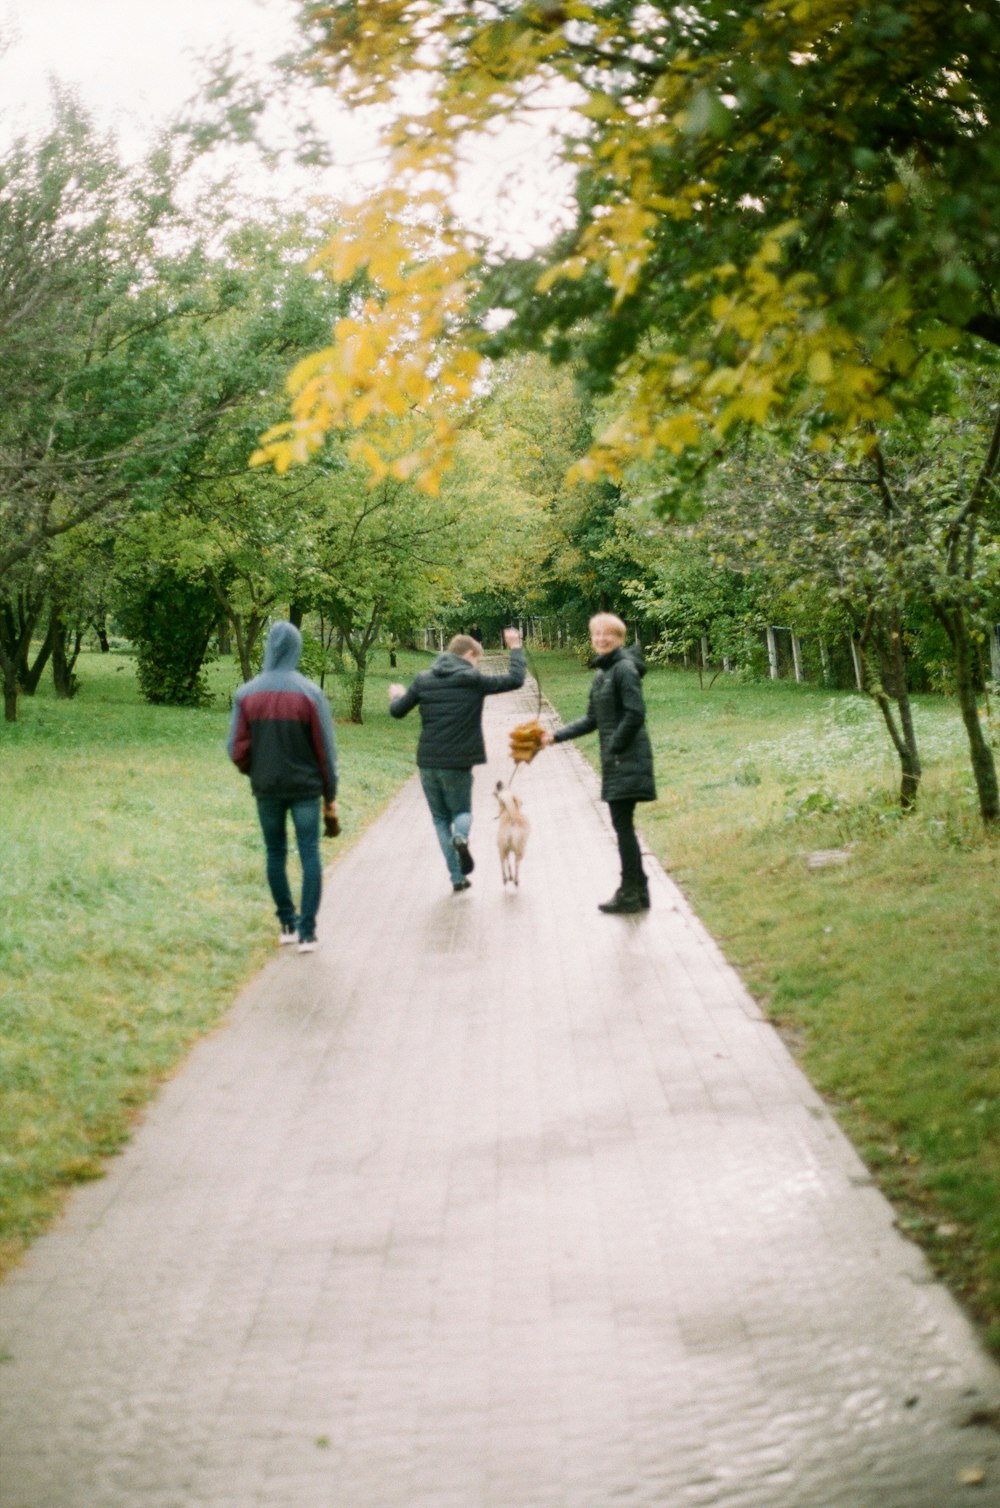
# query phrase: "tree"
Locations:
[[170, 617], [99, 403], [778, 210], [389, 554], [913, 526], [247, 535], [563, 550], [692, 596], [135, 317], [821, 532]]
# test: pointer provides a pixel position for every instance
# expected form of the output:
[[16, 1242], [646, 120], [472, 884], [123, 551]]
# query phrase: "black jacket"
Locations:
[[450, 697], [617, 710]]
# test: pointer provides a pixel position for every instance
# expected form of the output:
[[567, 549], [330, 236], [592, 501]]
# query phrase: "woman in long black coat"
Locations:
[[617, 710]]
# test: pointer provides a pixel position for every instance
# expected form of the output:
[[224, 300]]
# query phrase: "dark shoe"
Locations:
[[643, 892], [465, 860], [461, 885], [623, 903]]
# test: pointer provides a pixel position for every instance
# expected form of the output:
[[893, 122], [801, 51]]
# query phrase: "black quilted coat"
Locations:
[[617, 710], [450, 696]]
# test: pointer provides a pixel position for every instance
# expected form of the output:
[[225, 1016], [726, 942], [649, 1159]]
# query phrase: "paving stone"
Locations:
[[492, 1202]]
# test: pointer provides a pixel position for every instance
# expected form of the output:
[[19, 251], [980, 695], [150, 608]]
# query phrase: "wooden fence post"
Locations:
[[797, 657], [772, 653]]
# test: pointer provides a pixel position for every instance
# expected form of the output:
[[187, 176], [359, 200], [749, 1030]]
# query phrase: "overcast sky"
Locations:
[[134, 62], [131, 60]]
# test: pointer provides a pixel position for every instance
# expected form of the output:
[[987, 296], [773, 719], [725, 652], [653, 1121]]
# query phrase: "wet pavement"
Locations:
[[492, 1202]]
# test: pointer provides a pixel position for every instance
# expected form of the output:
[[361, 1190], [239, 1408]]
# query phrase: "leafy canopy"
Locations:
[[779, 208]]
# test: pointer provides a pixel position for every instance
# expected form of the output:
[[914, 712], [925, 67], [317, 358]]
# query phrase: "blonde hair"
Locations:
[[611, 622], [462, 644]]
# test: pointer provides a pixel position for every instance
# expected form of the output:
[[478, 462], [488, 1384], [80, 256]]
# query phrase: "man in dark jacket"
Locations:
[[281, 735], [617, 710], [450, 696]]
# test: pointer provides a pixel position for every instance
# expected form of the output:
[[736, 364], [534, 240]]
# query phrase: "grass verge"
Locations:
[[133, 905], [881, 970]]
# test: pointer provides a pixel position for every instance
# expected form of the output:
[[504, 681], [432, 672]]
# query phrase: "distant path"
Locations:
[[494, 1202]]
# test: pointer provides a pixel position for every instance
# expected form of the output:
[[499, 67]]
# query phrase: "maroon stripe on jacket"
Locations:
[[278, 707]]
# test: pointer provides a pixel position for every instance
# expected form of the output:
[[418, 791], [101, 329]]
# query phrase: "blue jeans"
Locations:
[[273, 812], [449, 796]]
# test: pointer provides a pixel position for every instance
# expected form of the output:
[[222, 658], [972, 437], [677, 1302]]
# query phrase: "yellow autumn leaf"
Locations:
[[307, 368], [678, 433], [820, 368]]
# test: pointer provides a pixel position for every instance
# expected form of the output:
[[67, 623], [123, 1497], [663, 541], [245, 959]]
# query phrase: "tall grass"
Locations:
[[132, 906], [882, 970]]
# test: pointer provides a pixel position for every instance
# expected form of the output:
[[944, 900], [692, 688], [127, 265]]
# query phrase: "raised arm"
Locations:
[[515, 675]]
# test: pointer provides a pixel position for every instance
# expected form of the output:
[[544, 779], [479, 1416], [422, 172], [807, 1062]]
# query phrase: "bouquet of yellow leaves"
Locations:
[[525, 741]]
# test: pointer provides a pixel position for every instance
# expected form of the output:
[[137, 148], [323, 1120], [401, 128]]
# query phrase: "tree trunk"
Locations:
[[908, 757], [253, 628], [17, 623], [358, 689], [904, 741], [242, 648], [32, 674], [891, 695], [360, 646], [983, 765], [62, 664], [9, 669]]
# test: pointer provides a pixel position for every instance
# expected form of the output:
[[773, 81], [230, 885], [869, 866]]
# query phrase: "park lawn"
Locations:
[[133, 906], [882, 972]]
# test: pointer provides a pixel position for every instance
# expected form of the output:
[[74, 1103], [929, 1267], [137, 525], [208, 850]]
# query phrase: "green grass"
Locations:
[[882, 972], [133, 905]]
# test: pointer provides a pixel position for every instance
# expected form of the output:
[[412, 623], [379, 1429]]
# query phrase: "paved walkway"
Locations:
[[493, 1202]]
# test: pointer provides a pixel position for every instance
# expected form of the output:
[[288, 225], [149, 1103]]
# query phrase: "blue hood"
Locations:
[[284, 646]]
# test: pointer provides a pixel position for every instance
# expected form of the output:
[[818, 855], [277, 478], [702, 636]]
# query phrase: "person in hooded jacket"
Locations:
[[450, 696], [617, 710], [281, 735]]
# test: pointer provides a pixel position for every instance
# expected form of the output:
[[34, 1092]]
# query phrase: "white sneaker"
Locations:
[[308, 945], [288, 935]]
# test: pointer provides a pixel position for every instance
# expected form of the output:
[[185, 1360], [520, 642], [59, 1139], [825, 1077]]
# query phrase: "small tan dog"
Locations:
[[512, 834]]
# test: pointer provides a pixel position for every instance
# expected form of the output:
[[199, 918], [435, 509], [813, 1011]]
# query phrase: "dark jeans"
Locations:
[[623, 822], [449, 796], [273, 812]]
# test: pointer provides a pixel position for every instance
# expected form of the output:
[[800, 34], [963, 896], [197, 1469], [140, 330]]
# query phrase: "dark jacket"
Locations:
[[281, 732], [450, 697], [617, 710]]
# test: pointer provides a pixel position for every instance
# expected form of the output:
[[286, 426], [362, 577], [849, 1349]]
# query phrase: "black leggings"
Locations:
[[623, 821]]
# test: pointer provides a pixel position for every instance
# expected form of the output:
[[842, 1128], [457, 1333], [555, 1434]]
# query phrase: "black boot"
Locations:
[[624, 902]]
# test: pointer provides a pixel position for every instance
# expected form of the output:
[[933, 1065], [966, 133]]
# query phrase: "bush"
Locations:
[[170, 619]]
